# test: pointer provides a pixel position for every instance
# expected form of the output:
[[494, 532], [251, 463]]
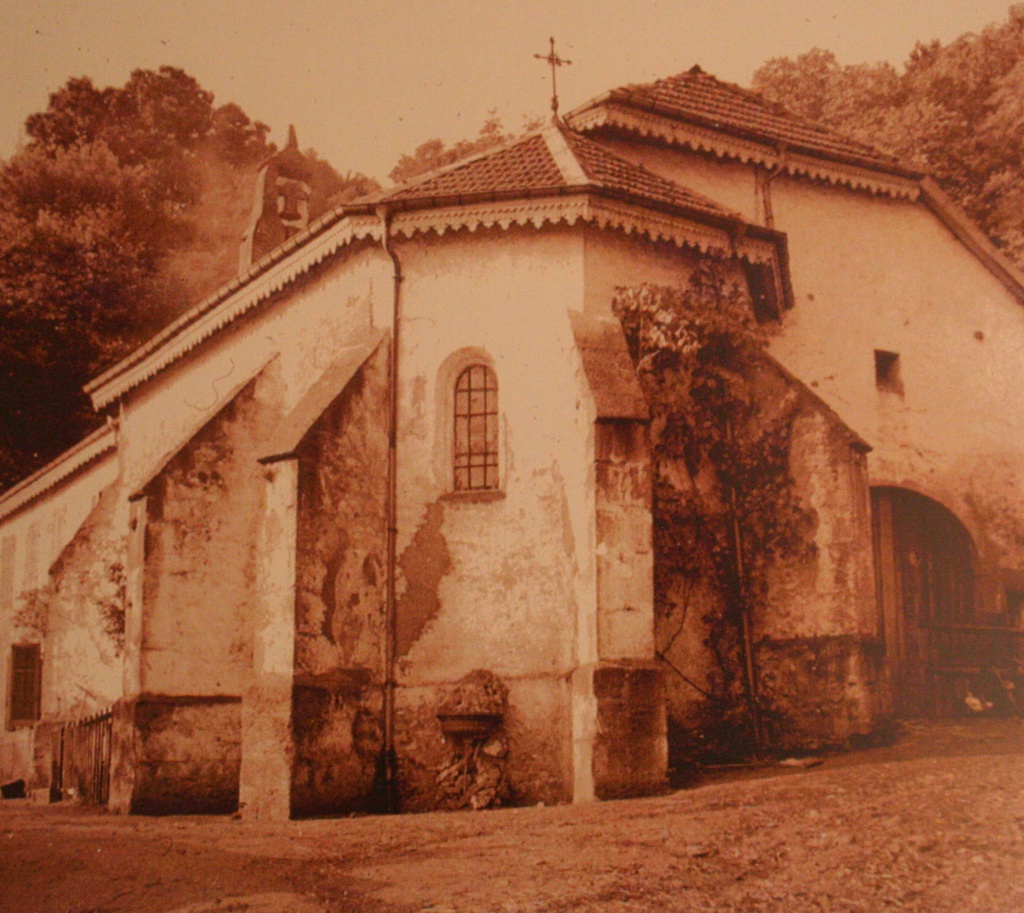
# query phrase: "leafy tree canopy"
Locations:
[[956, 111], [123, 208]]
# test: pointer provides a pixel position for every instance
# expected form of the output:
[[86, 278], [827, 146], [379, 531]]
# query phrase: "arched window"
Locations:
[[476, 429]]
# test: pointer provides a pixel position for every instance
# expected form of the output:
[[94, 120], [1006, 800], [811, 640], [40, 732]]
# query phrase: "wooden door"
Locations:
[[924, 580]]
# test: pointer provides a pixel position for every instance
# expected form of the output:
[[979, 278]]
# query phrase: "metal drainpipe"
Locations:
[[389, 758], [749, 665], [766, 190]]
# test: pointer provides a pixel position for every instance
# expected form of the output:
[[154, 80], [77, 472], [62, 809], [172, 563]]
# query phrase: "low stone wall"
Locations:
[[822, 690], [176, 755], [338, 734], [630, 751]]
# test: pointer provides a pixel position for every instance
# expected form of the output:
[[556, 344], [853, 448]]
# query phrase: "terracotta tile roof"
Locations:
[[698, 97], [611, 172], [523, 165], [554, 160]]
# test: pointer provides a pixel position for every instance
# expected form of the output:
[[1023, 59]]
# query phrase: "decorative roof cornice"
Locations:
[[892, 181], [718, 234], [271, 274], [93, 446], [587, 207]]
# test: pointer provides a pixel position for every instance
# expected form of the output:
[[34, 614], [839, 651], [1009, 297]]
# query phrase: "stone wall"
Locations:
[[813, 622], [340, 599], [201, 529], [630, 751], [176, 755]]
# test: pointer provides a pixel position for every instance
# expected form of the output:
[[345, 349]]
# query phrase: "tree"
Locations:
[[954, 111], [124, 208]]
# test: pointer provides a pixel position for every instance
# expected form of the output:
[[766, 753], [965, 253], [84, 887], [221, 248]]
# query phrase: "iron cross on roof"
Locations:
[[555, 61]]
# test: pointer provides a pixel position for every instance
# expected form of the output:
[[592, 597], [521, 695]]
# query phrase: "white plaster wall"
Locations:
[[875, 274], [310, 326], [522, 564], [615, 261], [872, 273], [56, 517], [83, 670]]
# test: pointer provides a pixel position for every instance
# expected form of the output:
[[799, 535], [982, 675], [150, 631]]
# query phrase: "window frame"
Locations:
[[15, 716], [888, 372], [765, 291], [466, 414]]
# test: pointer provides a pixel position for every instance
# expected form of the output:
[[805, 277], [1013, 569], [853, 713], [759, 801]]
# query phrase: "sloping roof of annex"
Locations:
[[95, 445], [694, 110], [697, 110], [548, 177], [702, 98]]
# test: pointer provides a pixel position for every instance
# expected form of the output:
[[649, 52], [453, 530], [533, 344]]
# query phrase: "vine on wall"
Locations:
[[112, 601], [725, 508], [33, 611]]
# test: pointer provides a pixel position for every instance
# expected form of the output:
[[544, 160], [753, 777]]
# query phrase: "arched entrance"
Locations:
[[924, 576]]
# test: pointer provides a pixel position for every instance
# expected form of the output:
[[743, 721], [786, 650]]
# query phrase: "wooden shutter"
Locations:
[[26, 678]]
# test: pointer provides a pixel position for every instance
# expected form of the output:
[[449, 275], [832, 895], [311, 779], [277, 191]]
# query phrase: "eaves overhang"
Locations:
[[73, 460], [262, 280], [709, 232], [645, 119]]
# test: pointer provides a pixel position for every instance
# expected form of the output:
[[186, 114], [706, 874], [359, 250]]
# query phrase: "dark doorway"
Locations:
[[924, 575]]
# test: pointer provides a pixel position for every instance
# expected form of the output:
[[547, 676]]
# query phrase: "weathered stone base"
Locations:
[[625, 753], [820, 690], [338, 735], [176, 755], [17, 749], [535, 754]]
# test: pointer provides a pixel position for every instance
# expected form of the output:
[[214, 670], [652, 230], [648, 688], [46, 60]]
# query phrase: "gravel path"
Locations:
[[934, 823]]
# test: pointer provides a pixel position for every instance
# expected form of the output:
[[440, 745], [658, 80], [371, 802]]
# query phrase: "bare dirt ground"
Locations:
[[932, 823]]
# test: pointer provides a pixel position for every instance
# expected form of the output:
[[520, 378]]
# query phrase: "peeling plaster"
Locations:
[[424, 564]]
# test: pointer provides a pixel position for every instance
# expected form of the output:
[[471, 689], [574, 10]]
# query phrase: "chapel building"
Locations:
[[381, 523]]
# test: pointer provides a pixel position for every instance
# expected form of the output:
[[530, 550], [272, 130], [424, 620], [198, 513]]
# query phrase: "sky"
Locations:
[[365, 81]]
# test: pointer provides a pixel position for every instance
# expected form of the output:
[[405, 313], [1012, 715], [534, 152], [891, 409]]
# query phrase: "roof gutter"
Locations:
[[389, 761]]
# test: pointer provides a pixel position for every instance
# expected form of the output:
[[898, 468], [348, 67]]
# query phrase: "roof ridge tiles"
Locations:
[[703, 98], [573, 170], [593, 147]]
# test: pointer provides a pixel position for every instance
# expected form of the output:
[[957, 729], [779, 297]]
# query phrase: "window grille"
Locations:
[[476, 429]]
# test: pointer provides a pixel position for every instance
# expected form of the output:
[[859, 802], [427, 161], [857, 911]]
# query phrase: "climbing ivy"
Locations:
[[111, 602], [33, 611], [725, 507]]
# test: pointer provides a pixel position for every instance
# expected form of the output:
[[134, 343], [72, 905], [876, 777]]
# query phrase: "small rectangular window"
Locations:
[[764, 291], [26, 684], [1014, 607], [887, 372]]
